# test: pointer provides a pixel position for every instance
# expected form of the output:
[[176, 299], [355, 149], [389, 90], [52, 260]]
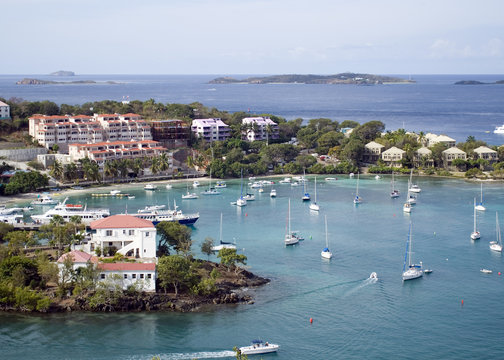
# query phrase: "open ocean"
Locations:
[[433, 104], [452, 313]]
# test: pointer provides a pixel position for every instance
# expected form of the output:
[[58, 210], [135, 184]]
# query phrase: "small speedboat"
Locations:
[[373, 276], [115, 192], [486, 271], [331, 179], [377, 177], [169, 186], [195, 183], [427, 271], [131, 197], [259, 347], [150, 187], [189, 195]]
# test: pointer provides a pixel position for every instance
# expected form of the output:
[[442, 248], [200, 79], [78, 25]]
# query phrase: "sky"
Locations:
[[253, 36]]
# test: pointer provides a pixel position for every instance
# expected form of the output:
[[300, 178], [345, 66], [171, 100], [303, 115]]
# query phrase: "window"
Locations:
[[124, 232], [149, 276], [132, 232], [102, 276], [125, 276], [146, 233], [133, 276], [141, 276], [108, 233], [110, 243]]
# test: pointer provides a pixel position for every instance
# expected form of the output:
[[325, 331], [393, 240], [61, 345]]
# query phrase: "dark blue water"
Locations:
[[353, 317], [433, 104]]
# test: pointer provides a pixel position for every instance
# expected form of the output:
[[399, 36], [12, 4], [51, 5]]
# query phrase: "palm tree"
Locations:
[[164, 162], [110, 169], [70, 171], [57, 170], [122, 167], [154, 168]]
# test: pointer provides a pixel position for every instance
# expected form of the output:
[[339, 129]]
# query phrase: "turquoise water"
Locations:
[[353, 318]]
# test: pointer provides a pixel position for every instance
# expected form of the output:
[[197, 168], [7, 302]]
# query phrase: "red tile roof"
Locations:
[[121, 222], [79, 257], [127, 266]]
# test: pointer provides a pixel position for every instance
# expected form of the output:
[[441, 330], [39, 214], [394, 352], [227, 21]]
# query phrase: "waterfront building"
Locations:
[[433, 139], [82, 129], [259, 128], [211, 129], [170, 133], [423, 156], [115, 150], [372, 152], [130, 235], [451, 154], [141, 275], [486, 153], [393, 156], [4, 111]]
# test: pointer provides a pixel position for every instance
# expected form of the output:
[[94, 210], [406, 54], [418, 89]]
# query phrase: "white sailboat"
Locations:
[[211, 190], [497, 244], [475, 235], [222, 244], [326, 253], [314, 206], [412, 271], [290, 237], [241, 200], [394, 193], [189, 195], [411, 199], [273, 193], [357, 199], [480, 206]]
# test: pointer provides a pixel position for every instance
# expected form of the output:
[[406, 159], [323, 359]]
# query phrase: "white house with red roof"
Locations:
[[141, 275], [130, 235]]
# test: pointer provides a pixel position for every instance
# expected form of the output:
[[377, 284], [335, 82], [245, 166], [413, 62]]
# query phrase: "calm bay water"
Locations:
[[353, 317], [433, 104]]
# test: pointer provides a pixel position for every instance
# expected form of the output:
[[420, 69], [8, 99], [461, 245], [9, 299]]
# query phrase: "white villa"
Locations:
[[142, 275], [372, 152], [257, 128], [130, 235], [486, 153], [211, 129], [4, 111], [393, 156], [451, 154], [433, 139], [421, 155]]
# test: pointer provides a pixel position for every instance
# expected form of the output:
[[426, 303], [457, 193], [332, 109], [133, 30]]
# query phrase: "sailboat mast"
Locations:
[[220, 232], [410, 246], [474, 209], [315, 190], [326, 241], [289, 218]]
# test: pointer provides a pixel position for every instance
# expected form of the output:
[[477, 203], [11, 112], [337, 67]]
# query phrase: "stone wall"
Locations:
[[22, 154]]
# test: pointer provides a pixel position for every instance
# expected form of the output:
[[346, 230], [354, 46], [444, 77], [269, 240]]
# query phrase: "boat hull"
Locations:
[[250, 350]]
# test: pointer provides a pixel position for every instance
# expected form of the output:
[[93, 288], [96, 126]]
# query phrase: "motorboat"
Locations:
[[407, 207], [195, 184], [256, 185], [415, 189], [156, 216], [295, 183], [210, 191], [66, 211], [131, 197], [259, 347], [286, 180], [150, 187], [427, 271], [329, 179], [115, 192], [499, 129], [189, 195], [351, 175], [44, 200], [273, 193], [168, 186], [486, 271], [377, 177], [249, 197], [150, 208], [220, 185], [373, 276]]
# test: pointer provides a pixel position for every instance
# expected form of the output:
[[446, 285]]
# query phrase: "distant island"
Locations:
[[474, 82], [28, 81], [343, 78], [62, 73]]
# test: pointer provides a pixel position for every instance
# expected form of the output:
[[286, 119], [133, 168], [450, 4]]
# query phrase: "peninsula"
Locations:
[[342, 78]]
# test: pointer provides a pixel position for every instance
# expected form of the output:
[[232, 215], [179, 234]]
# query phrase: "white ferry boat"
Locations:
[[156, 216], [66, 211]]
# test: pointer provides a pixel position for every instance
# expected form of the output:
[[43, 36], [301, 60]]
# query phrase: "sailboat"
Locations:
[[211, 190], [411, 199], [189, 195], [222, 244], [412, 271], [290, 237], [357, 199], [314, 206], [306, 196], [326, 253], [497, 245], [480, 206], [475, 235], [241, 200], [394, 193], [413, 187]]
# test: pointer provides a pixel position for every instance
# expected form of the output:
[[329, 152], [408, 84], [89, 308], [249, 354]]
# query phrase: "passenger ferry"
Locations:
[[156, 216], [66, 211]]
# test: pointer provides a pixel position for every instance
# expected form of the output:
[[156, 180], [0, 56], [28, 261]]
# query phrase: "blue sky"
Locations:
[[253, 36]]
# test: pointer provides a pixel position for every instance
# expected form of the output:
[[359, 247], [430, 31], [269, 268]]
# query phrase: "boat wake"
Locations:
[[194, 355], [364, 283]]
